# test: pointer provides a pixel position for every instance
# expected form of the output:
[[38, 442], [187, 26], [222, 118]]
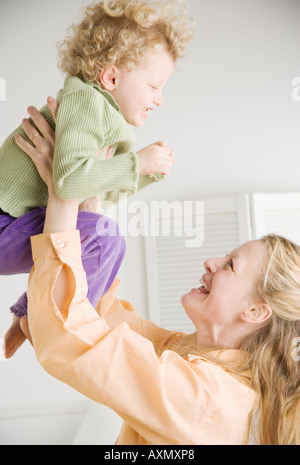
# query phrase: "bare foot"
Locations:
[[14, 338]]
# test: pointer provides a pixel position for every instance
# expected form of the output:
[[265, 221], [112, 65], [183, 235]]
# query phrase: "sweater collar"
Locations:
[[105, 94]]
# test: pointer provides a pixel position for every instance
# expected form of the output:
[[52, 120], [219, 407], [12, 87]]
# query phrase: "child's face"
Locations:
[[139, 91]]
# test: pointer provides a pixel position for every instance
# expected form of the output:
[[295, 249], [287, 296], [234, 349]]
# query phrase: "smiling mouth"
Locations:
[[147, 110], [203, 289]]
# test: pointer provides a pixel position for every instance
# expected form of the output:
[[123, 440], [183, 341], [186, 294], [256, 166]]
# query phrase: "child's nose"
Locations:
[[159, 100]]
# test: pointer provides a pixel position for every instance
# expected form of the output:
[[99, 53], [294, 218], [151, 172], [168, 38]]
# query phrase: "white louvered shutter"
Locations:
[[173, 268], [278, 214]]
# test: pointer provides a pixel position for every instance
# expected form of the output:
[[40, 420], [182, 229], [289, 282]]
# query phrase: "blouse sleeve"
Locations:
[[159, 397]]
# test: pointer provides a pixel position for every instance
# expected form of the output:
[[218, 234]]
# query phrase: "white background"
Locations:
[[228, 115]]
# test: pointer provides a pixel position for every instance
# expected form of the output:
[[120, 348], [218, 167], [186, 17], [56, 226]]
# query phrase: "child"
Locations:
[[118, 60]]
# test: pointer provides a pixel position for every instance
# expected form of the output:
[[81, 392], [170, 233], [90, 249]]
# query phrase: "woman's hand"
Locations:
[[42, 152], [61, 214]]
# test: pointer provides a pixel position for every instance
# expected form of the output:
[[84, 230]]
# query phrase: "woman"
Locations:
[[171, 388]]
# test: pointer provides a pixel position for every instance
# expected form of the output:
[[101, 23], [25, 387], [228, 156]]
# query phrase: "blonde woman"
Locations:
[[117, 60], [239, 372]]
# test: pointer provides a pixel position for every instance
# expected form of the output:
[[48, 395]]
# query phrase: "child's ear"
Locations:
[[108, 77]]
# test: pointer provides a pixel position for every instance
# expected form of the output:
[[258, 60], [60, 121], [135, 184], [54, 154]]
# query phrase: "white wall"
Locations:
[[228, 114]]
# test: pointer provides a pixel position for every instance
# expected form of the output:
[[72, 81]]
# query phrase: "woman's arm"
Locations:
[[61, 215], [166, 399]]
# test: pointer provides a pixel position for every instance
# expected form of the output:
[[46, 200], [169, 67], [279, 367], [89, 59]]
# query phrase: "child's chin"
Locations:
[[139, 123]]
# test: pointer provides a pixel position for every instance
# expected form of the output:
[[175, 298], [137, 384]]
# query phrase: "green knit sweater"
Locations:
[[88, 119]]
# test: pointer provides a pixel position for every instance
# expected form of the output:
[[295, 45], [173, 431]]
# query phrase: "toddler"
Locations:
[[117, 61]]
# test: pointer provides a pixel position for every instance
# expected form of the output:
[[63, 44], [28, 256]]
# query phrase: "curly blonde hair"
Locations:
[[121, 33]]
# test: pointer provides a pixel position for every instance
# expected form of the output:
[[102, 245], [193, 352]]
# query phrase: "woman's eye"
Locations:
[[230, 263]]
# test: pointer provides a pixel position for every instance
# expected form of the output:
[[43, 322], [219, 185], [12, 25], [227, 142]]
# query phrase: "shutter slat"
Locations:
[[174, 269]]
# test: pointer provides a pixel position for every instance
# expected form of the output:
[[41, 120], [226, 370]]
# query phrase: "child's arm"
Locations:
[[145, 180], [85, 124]]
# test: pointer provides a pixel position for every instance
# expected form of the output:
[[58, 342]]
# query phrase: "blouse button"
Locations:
[[60, 243]]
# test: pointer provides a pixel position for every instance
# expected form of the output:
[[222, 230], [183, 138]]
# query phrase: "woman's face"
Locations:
[[228, 287]]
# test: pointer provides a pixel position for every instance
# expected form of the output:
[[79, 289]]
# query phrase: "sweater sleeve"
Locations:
[[85, 124], [143, 182]]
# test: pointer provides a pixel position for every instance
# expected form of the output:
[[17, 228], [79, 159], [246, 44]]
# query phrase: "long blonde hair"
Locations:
[[275, 370], [121, 33], [272, 358]]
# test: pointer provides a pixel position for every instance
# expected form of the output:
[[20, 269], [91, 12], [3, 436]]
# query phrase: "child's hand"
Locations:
[[156, 158]]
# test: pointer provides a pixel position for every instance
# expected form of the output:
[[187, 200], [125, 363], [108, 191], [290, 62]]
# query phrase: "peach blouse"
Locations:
[[108, 354]]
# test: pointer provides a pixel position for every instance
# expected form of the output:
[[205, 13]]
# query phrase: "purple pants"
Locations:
[[103, 249]]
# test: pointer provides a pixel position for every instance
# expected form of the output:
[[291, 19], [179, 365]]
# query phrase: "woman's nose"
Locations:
[[214, 264], [210, 266]]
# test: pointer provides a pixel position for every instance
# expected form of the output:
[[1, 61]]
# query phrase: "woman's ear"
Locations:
[[108, 77], [257, 315]]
